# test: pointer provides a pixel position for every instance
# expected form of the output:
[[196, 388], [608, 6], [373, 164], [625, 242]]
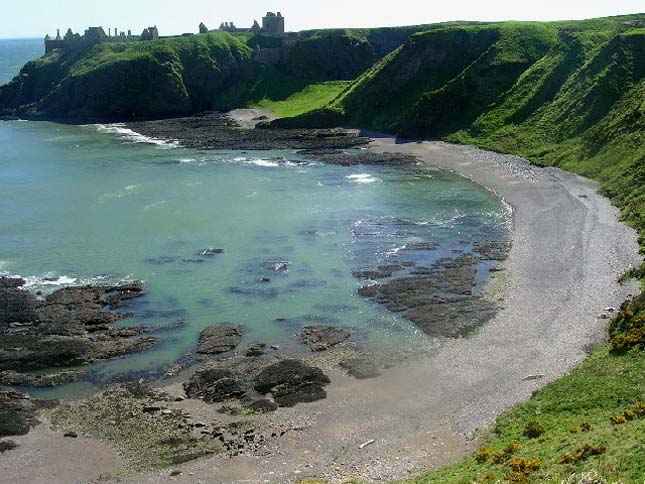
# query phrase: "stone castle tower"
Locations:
[[273, 23]]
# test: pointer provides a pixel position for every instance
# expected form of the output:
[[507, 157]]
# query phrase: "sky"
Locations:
[[35, 18]]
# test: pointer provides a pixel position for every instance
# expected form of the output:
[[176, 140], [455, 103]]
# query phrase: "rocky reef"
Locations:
[[440, 299], [217, 131], [71, 327]]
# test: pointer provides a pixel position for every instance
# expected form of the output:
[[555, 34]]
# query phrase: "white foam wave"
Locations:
[[49, 280], [130, 136], [362, 178], [151, 206], [272, 163]]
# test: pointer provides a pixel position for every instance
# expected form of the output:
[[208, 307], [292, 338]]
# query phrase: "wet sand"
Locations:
[[568, 251]]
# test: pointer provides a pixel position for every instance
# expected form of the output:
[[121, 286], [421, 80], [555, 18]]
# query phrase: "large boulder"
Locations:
[[291, 382], [213, 385], [17, 413], [216, 340]]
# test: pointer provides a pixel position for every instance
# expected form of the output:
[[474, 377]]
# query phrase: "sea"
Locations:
[[99, 204]]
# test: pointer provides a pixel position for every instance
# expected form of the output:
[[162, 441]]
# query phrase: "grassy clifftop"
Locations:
[[161, 78], [182, 75]]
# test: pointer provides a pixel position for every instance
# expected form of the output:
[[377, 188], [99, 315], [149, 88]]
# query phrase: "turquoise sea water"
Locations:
[[89, 204], [14, 53]]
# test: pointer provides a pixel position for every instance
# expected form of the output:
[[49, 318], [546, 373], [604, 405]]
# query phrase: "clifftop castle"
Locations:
[[94, 36], [272, 25]]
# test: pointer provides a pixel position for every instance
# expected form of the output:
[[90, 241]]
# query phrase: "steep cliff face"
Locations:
[[161, 78]]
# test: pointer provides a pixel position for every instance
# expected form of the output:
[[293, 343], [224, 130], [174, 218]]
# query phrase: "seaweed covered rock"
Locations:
[[17, 413], [322, 338], [213, 385], [72, 326], [13, 378], [216, 340], [292, 382]]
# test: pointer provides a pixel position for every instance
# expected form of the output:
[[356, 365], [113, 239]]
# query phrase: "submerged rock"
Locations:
[[359, 368], [211, 252], [438, 299], [254, 350], [291, 382], [322, 338], [216, 340]]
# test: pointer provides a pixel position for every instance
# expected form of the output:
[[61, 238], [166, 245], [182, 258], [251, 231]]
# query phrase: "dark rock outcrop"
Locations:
[[322, 338], [72, 326], [7, 445], [216, 340], [12, 378], [338, 157], [17, 413], [216, 131], [254, 350], [438, 299], [291, 382], [213, 384]]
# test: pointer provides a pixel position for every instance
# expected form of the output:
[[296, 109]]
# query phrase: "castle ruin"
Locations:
[[94, 36], [272, 24]]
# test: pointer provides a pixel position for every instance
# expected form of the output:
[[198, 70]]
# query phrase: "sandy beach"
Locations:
[[568, 251]]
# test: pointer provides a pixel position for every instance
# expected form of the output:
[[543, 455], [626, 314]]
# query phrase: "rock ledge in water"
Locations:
[[216, 340], [322, 338]]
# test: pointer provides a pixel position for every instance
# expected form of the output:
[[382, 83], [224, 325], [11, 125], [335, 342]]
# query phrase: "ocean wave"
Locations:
[[271, 163], [50, 281], [362, 178], [151, 206], [130, 136]]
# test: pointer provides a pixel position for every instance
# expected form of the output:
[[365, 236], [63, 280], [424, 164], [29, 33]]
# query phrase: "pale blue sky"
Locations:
[[34, 18]]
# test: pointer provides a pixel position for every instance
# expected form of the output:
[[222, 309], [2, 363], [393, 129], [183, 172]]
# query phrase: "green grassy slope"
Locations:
[[311, 97]]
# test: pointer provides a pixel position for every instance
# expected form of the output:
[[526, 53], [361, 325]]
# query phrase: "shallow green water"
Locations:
[[95, 204]]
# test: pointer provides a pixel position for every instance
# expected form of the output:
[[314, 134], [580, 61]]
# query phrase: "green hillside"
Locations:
[[568, 94], [182, 75]]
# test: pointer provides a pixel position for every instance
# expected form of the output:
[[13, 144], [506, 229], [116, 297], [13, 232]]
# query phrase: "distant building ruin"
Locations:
[[94, 36], [272, 24]]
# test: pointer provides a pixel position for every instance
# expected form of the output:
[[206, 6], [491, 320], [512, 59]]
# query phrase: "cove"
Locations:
[[99, 204]]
